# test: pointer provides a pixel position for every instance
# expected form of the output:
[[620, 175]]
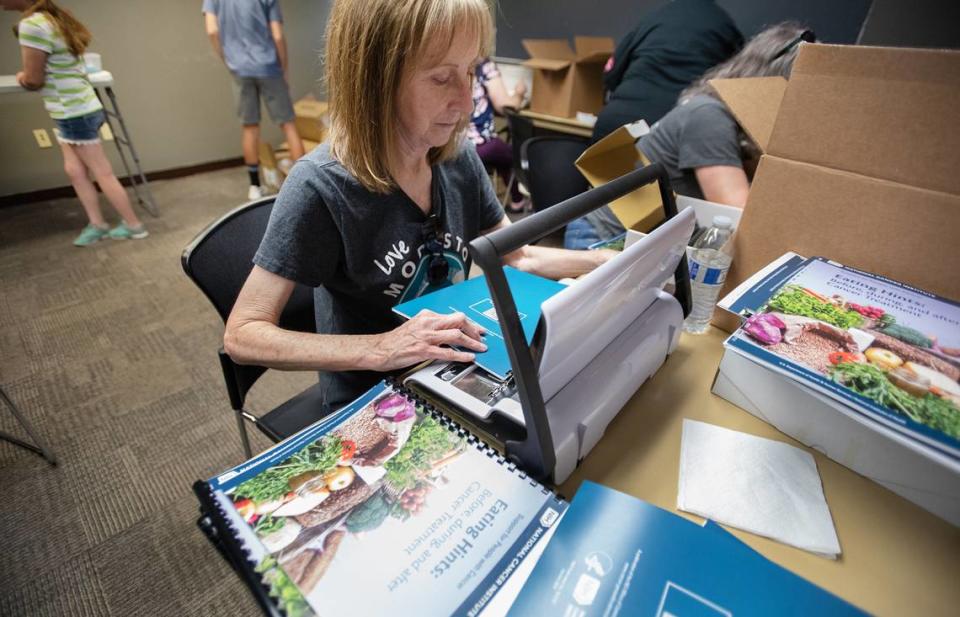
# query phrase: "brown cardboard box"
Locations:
[[613, 156], [276, 162], [567, 80], [311, 118], [860, 164]]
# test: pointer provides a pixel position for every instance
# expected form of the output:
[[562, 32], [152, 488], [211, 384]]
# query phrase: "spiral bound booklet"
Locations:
[[383, 505]]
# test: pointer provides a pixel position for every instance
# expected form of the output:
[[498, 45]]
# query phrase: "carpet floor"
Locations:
[[110, 352]]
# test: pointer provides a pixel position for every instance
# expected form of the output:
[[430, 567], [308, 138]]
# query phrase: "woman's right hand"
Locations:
[[423, 338]]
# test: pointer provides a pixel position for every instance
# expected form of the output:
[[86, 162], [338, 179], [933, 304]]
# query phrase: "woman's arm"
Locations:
[[280, 42], [253, 336], [723, 184], [553, 263], [497, 93], [34, 64]]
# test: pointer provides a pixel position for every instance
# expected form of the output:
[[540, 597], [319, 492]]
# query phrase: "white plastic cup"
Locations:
[[91, 61]]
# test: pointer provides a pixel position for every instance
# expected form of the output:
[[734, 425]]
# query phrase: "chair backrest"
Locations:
[[551, 174], [219, 260], [521, 129]]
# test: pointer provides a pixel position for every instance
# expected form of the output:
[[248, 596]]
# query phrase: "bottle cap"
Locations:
[[723, 222]]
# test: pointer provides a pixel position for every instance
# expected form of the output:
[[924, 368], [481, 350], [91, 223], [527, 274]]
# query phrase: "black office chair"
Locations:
[[550, 171], [218, 261], [521, 129]]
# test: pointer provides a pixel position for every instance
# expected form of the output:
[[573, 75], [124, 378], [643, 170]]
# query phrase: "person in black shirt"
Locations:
[[670, 48]]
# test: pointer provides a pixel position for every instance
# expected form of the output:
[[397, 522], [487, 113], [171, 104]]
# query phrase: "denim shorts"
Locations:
[[579, 235], [80, 130], [273, 91]]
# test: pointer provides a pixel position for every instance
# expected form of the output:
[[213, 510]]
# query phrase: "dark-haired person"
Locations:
[[699, 142], [383, 211], [52, 42], [671, 47]]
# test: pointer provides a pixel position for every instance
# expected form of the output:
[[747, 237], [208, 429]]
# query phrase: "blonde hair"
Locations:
[[756, 59], [371, 46], [74, 33]]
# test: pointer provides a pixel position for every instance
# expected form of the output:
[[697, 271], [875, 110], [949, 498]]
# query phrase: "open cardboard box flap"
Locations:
[[547, 64], [566, 81], [881, 112], [861, 165], [754, 102], [593, 48], [613, 156], [553, 49]]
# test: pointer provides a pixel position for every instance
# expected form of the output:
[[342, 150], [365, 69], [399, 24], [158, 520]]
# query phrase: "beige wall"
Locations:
[[174, 93]]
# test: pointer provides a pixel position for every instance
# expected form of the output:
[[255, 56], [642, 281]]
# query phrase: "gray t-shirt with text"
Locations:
[[364, 252]]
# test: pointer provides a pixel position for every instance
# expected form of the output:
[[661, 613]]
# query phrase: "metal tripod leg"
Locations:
[[122, 138], [40, 448]]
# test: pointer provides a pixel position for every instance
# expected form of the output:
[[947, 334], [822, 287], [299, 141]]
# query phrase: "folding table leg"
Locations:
[[121, 138], [40, 448]]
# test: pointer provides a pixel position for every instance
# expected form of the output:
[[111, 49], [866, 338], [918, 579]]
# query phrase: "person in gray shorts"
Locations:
[[248, 37]]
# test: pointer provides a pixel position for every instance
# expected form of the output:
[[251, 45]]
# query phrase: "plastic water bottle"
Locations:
[[709, 263]]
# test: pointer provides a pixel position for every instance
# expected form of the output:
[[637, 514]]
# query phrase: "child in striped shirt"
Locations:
[[52, 43]]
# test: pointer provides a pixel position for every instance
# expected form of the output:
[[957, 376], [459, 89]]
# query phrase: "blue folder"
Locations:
[[613, 554], [472, 298]]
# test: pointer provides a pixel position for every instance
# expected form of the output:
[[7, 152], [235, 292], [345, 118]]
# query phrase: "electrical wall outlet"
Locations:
[[43, 139], [105, 133]]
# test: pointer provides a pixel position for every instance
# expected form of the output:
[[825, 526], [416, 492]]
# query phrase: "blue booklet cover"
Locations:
[[381, 507], [613, 554], [887, 350], [472, 298]]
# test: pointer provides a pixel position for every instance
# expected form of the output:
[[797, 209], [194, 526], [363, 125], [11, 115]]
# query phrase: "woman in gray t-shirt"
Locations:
[[383, 212], [699, 142]]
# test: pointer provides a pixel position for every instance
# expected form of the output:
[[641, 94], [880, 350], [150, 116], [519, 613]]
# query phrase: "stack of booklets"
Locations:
[[387, 507], [862, 367]]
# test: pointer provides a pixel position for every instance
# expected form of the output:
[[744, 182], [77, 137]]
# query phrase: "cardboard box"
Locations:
[[567, 80], [311, 118], [918, 473], [861, 152], [704, 211], [275, 163], [613, 156]]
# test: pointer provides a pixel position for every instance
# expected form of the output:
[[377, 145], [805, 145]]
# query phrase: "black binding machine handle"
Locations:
[[535, 454]]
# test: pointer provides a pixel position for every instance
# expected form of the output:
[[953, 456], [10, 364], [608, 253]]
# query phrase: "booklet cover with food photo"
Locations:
[[384, 505], [884, 348]]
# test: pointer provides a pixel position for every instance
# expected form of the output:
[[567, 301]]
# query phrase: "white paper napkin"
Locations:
[[762, 486]]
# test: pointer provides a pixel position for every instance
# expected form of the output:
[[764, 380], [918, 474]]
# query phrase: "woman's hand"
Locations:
[[519, 91], [422, 338]]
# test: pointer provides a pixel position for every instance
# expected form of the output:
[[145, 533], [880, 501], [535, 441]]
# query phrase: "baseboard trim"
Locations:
[[164, 174]]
